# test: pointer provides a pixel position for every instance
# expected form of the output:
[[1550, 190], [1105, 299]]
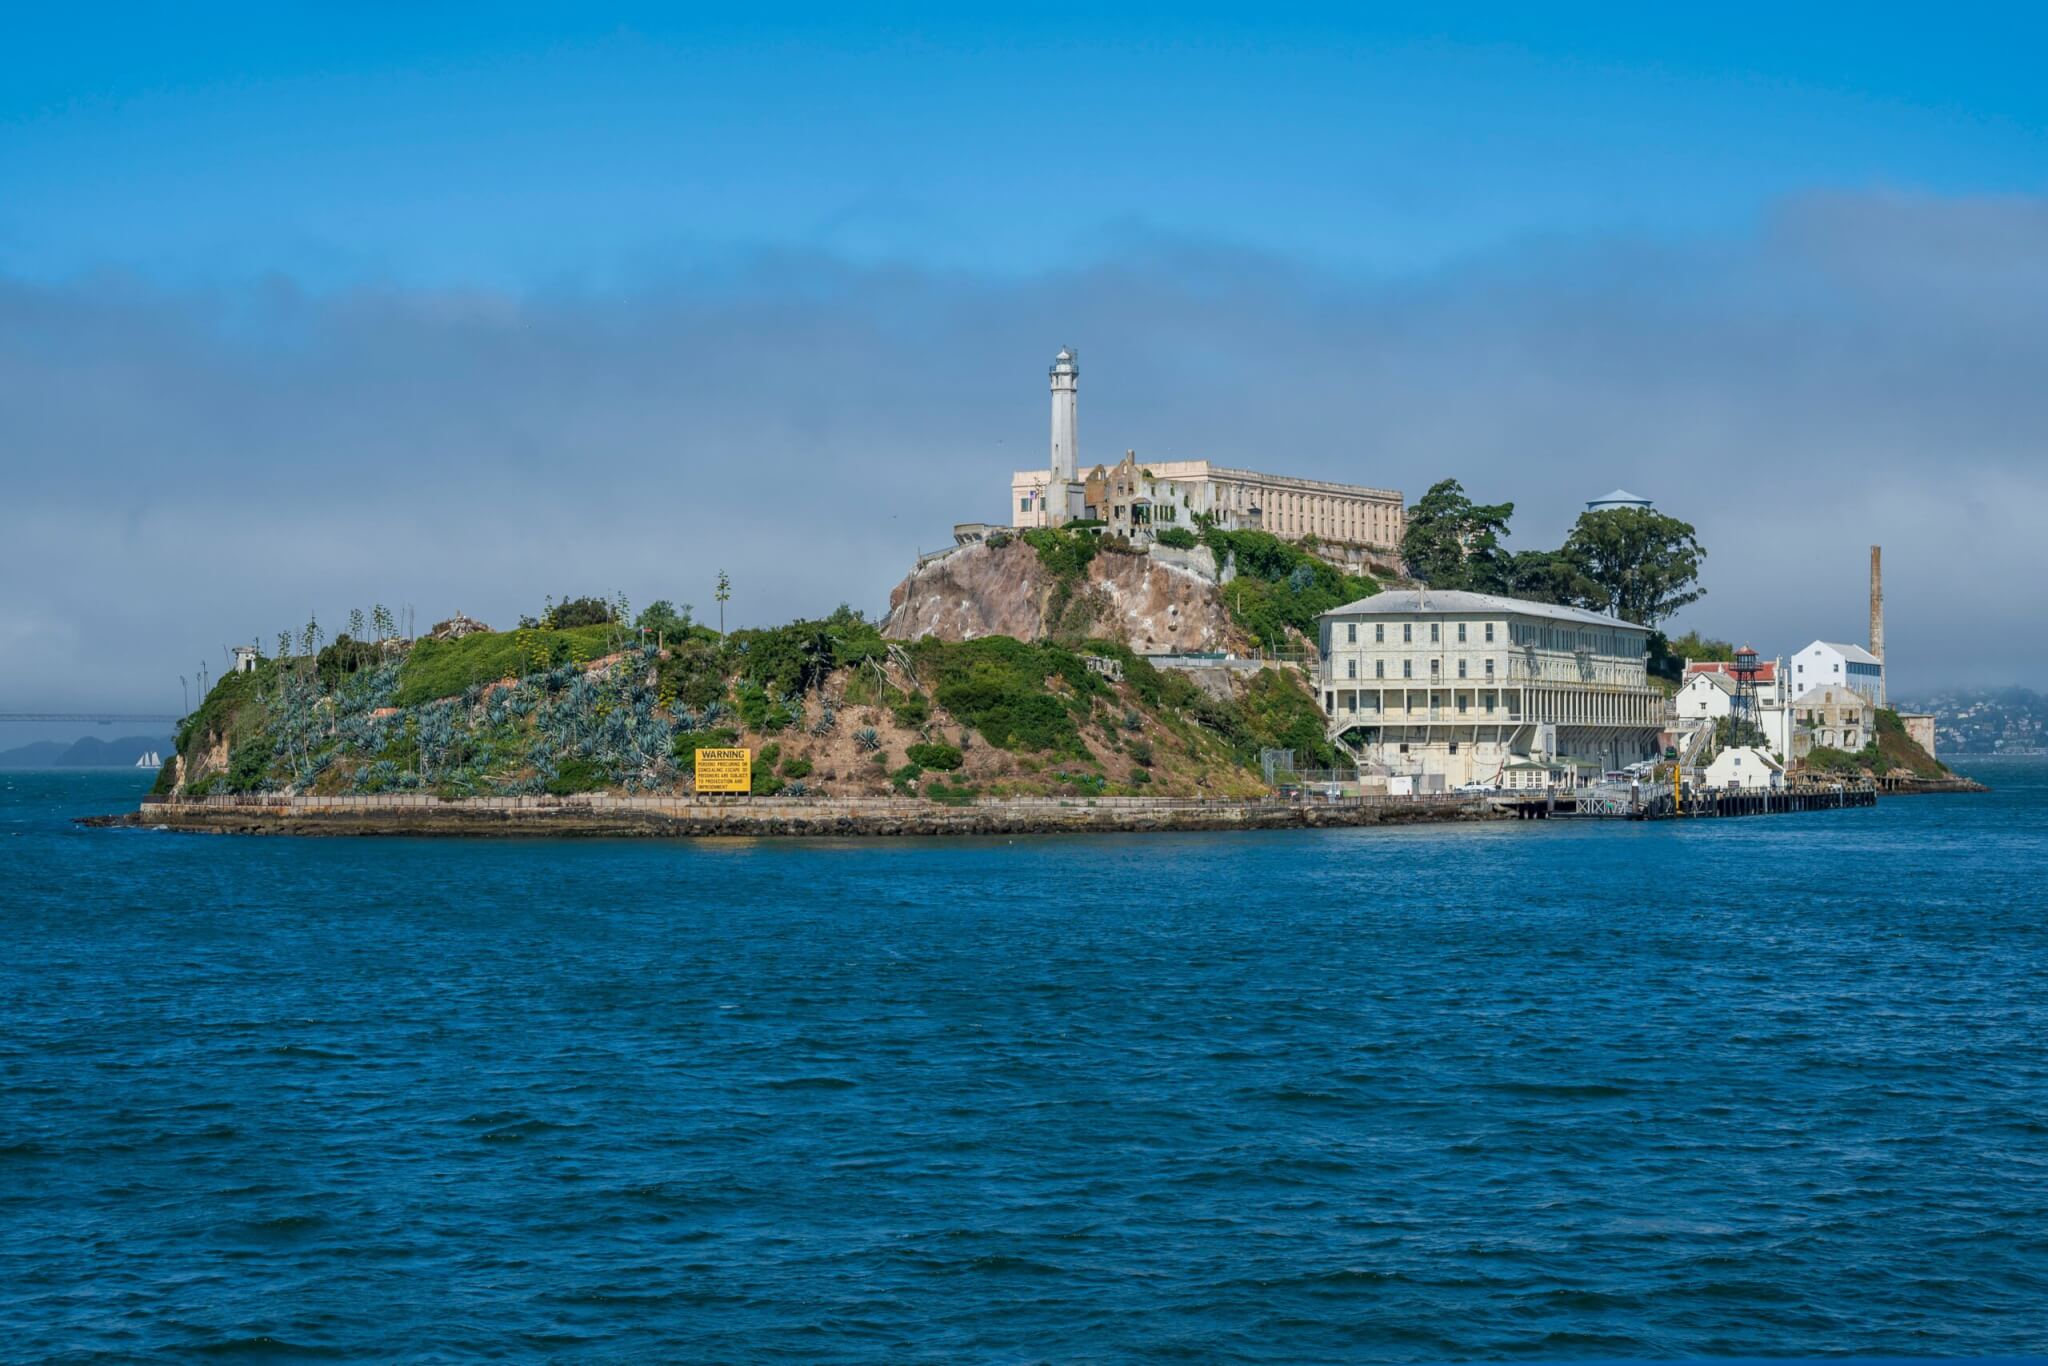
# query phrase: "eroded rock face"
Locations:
[[982, 590]]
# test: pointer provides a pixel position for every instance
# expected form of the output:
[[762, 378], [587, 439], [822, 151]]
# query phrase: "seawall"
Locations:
[[613, 816]]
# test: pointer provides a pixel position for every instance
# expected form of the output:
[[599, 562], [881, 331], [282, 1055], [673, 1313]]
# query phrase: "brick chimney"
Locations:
[[1877, 601]]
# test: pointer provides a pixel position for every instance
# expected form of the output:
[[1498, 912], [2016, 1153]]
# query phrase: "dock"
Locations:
[[1660, 804]]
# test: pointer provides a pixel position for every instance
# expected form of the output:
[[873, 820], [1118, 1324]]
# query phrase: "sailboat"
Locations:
[[150, 759]]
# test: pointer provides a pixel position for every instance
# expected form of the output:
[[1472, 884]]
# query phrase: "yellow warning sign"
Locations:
[[725, 770]]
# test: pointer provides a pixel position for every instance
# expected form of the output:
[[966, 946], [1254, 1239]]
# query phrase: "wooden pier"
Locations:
[[1660, 804]]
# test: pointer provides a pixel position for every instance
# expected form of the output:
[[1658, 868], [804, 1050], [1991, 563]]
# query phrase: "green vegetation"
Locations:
[[997, 686], [685, 746], [1896, 749], [570, 613], [534, 711], [1280, 589], [935, 755], [1634, 562], [765, 781], [447, 668], [1065, 552], [1176, 538], [578, 775], [1891, 748]]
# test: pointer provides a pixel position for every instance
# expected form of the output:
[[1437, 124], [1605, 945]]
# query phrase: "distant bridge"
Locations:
[[97, 718]]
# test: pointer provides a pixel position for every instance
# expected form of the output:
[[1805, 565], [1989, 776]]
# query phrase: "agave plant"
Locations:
[[867, 740]]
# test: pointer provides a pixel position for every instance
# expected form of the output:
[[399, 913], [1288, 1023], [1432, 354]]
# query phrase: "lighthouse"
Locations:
[[1065, 375]]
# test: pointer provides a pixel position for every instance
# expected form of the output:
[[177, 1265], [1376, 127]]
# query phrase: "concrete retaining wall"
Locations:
[[695, 816]]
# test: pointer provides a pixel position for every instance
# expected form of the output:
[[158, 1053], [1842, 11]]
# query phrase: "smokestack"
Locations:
[[1877, 601]]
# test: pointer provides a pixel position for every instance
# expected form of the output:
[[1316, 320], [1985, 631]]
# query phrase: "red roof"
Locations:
[[1766, 669]]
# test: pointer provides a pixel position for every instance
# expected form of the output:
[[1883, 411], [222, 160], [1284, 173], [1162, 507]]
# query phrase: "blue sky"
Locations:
[[510, 146], [647, 294]]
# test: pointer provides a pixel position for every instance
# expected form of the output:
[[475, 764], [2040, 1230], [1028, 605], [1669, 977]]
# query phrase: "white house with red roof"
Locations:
[[1706, 693]]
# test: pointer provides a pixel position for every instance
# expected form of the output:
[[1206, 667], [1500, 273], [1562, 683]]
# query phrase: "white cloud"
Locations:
[[186, 467]]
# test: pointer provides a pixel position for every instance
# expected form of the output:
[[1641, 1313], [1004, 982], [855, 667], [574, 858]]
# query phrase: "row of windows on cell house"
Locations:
[[1486, 702], [1539, 637], [1436, 669]]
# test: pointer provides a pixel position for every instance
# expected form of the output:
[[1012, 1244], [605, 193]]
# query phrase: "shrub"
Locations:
[[343, 658], [796, 766], [765, 783], [939, 792], [1177, 538], [937, 755], [571, 612], [904, 779], [577, 775], [759, 711], [685, 746], [913, 711], [1141, 753]]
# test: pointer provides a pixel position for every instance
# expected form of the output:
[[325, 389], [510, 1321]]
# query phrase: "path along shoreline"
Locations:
[[615, 816]]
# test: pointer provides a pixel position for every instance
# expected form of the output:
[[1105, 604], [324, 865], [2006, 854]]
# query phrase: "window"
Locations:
[[1489, 633], [1489, 671], [1407, 668], [1436, 633], [1454, 746], [1379, 668], [1461, 633], [1461, 668], [1351, 668], [1379, 633], [1407, 634], [1436, 668], [1024, 503], [1351, 632]]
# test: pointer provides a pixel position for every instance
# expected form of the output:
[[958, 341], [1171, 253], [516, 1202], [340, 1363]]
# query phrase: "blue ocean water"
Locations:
[[1534, 1090]]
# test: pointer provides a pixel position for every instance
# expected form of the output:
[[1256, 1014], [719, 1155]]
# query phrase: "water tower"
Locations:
[[1742, 707]]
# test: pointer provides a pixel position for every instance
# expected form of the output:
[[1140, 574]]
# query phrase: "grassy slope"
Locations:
[[446, 668]]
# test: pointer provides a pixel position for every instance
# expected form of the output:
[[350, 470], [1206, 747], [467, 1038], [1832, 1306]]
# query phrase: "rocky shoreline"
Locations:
[[1925, 787], [619, 817]]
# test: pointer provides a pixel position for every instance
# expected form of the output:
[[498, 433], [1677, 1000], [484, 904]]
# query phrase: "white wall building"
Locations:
[[1175, 492], [1829, 662], [1833, 716], [1743, 767], [1708, 693], [1481, 688]]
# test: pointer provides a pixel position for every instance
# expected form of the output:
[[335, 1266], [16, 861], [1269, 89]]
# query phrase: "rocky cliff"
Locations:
[[1147, 603]]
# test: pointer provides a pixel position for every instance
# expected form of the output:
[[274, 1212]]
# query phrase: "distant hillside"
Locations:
[[89, 752], [1986, 720]]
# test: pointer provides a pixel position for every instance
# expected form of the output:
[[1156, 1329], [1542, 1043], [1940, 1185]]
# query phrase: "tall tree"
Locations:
[[1552, 576], [1453, 542], [1646, 563]]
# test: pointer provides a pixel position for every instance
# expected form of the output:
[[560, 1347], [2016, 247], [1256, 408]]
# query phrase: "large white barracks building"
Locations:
[[1470, 687], [1138, 498]]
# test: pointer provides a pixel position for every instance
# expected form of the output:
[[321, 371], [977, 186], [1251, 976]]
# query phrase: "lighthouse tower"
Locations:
[[1065, 375]]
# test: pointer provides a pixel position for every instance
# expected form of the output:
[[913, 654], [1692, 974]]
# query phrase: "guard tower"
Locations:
[[1742, 707]]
